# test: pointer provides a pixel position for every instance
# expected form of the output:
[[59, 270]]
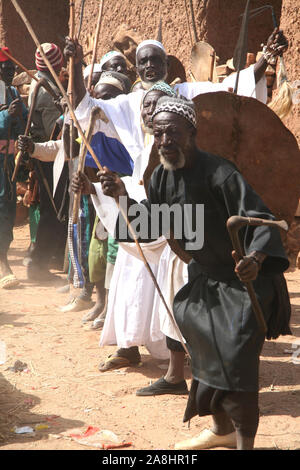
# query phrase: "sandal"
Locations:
[[9, 281], [116, 362]]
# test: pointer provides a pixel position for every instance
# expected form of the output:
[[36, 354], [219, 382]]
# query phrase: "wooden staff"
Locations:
[[81, 18], [193, 21], [71, 78], [95, 114], [87, 144], [234, 223], [27, 128], [95, 44], [188, 22]]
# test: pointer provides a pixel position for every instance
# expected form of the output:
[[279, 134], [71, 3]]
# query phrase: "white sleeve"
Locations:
[[247, 85], [191, 89], [83, 112], [124, 114], [47, 151]]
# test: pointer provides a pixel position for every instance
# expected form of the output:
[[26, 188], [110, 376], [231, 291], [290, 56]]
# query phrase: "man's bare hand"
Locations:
[[247, 268], [112, 185], [15, 108], [277, 43], [73, 49], [81, 183], [25, 144]]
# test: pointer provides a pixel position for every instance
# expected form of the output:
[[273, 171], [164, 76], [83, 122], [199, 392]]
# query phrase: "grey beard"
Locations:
[[148, 85], [172, 166]]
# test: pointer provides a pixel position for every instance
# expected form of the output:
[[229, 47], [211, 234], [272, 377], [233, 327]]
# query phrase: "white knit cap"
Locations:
[[87, 70], [108, 56], [150, 42]]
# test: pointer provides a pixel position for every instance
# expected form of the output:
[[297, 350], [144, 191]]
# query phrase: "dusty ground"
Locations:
[[62, 392]]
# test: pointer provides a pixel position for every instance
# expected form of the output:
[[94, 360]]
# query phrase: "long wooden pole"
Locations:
[[71, 77], [95, 114], [188, 22], [193, 21], [99, 21]]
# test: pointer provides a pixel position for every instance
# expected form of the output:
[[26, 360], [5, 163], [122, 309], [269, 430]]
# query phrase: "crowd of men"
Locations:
[[201, 285]]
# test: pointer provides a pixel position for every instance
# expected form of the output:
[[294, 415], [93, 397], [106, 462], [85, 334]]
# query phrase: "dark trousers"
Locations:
[[51, 233], [240, 407], [7, 204]]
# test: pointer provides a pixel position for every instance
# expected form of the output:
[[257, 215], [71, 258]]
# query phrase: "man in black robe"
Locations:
[[213, 310]]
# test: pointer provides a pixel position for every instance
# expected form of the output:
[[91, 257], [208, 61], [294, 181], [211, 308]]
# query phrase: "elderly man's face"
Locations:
[[174, 137], [151, 63], [7, 72], [149, 105], [116, 64]]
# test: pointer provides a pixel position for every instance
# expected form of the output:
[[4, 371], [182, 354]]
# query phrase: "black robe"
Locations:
[[213, 310]]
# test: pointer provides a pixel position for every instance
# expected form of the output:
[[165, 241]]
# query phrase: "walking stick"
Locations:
[[87, 144], [19, 155], [95, 114], [234, 224], [193, 21], [95, 44], [188, 22], [71, 78]]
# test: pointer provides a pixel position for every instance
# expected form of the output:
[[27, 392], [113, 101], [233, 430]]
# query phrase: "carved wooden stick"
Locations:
[[95, 44]]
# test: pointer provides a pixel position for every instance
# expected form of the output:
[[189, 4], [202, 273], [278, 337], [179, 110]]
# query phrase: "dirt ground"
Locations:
[[61, 392]]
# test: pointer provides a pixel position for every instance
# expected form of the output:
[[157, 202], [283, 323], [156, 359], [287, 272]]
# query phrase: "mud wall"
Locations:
[[217, 22], [290, 22], [49, 19]]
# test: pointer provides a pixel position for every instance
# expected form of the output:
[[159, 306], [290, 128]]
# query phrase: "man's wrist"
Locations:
[[258, 257], [92, 189]]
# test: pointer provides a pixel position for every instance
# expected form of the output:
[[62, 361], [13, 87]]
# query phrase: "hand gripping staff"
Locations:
[[234, 224], [96, 113]]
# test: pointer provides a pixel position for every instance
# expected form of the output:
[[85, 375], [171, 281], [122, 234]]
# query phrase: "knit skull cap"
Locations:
[[3, 57], [162, 86], [150, 42], [178, 105], [53, 54], [116, 79], [108, 56], [96, 69]]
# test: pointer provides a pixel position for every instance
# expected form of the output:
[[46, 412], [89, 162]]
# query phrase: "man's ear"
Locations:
[[193, 132]]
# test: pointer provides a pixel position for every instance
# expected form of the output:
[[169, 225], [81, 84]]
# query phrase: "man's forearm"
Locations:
[[260, 68], [79, 87]]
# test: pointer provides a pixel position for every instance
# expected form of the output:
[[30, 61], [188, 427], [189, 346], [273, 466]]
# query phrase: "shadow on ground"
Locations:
[[16, 411]]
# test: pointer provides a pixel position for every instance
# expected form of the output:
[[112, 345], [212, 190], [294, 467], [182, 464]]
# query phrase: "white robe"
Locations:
[[130, 301]]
